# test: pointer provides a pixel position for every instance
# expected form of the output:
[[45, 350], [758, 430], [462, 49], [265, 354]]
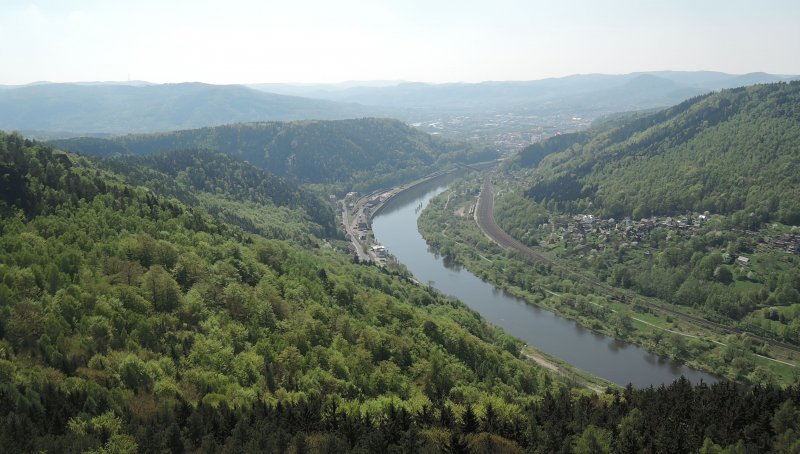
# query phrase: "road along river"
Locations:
[[622, 363]]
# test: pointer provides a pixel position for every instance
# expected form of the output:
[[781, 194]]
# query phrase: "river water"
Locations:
[[622, 363]]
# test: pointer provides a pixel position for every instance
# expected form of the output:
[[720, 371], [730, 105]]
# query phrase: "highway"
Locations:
[[484, 217]]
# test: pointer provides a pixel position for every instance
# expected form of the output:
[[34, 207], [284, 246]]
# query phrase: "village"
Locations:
[[357, 213], [576, 229], [785, 242], [579, 226]]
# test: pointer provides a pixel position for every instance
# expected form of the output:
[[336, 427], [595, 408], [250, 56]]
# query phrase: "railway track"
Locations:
[[484, 216]]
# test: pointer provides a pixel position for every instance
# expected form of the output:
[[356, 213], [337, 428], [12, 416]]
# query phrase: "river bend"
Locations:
[[622, 363]]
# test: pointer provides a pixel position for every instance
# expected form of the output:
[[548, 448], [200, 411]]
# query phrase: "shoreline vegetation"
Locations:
[[448, 227]]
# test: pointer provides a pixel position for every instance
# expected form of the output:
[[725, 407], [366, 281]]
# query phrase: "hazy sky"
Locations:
[[434, 41]]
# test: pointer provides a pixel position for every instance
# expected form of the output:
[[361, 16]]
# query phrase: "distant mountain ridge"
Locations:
[[671, 87], [100, 108], [120, 108]]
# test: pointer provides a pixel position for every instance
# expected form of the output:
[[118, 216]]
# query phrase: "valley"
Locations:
[[395, 227], [209, 288], [684, 334], [614, 275], [400, 227]]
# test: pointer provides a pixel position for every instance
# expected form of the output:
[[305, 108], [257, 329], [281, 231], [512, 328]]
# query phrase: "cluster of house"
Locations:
[[786, 242], [631, 230], [362, 223], [634, 232]]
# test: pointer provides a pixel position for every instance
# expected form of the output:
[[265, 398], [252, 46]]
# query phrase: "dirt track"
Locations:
[[552, 366]]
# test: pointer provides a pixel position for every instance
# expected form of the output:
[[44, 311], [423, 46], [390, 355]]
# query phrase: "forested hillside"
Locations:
[[230, 189], [132, 321], [359, 154], [733, 151], [124, 313]]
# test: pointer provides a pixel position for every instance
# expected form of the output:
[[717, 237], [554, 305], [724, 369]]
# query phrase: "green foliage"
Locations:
[[731, 153], [686, 272], [728, 152], [593, 441], [531, 155], [786, 425], [520, 217], [126, 305], [165, 328], [227, 188], [345, 155]]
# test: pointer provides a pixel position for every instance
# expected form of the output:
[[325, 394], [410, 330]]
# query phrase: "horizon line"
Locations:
[[387, 82]]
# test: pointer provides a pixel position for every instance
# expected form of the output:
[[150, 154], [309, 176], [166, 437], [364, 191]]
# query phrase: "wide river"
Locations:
[[622, 363]]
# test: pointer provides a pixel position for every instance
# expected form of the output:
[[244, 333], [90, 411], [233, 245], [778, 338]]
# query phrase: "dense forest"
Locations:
[[228, 188], [735, 151], [119, 302], [345, 155], [135, 321]]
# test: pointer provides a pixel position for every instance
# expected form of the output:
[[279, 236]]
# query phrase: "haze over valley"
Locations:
[[507, 115]]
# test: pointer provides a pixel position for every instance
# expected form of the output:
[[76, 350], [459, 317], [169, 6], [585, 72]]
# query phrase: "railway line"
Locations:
[[484, 217]]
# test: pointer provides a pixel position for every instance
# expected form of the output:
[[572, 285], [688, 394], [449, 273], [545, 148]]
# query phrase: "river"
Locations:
[[622, 363]]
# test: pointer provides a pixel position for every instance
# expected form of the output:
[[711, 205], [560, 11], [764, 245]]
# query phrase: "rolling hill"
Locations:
[[360, 154], [737, 150], [132, 321], [124, 311]]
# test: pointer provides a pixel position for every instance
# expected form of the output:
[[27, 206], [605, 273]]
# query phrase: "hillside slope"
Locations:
[[362, 153], [733, 151], [732, 154], [229, 189], [124, 312]]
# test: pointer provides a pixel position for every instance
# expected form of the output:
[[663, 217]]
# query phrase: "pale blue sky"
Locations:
[[433, 41]]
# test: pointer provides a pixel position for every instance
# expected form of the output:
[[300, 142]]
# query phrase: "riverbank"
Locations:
[[573, 375], [357, 213], [458, 238], [600, 355]]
